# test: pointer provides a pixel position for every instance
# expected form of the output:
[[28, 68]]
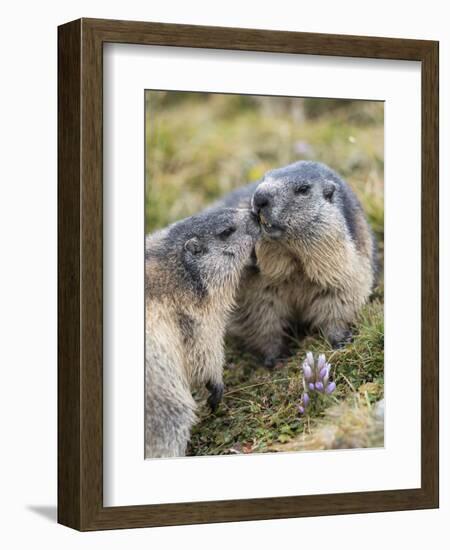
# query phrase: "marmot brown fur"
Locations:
[[316, 258], [192, 270]]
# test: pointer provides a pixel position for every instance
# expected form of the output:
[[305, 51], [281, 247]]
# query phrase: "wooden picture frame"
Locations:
[[80, 271]]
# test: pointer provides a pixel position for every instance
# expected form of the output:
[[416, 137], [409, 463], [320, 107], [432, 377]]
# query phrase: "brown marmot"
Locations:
[[316, 258], [192, 270]]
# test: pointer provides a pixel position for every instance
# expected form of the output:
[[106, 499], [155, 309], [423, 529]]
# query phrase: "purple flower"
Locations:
[[323, 372], [307, 371], [301, 407], [321, 362], [316, 375]]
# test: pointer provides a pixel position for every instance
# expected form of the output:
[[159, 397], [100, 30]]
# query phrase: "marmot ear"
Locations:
[[194, 246], [328, 190]]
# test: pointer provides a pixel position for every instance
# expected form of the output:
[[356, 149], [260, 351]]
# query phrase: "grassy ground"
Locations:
[[201, 146], [259, 410]]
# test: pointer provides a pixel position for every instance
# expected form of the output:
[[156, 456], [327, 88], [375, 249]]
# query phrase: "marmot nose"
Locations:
[[260, 200]]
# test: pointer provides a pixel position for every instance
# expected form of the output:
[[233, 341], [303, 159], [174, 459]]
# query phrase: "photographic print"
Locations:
[[264, 222], [222, 260]]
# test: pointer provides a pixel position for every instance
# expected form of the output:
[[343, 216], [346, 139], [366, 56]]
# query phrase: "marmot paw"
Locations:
[[216, 394], [338, 342]]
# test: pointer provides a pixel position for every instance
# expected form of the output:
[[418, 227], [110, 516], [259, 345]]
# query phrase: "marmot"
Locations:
[[316, 258], [192, 270]]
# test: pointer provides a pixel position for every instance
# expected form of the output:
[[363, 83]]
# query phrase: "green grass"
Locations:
[[201, 146]]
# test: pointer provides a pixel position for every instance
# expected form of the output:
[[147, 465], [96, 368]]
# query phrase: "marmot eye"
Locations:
[[226, 232], [302, 189]]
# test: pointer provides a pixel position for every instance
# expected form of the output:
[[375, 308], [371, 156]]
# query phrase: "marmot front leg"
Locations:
[[325, 317]]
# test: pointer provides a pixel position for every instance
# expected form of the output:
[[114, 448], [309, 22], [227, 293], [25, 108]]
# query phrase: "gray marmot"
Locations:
[[192, 271], [316, 258]]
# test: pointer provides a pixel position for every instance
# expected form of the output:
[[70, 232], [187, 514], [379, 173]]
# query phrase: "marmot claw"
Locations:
[[216, 394]]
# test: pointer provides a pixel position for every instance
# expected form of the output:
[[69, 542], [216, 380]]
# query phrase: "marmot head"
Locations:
[[205, 253], [300, 201]]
